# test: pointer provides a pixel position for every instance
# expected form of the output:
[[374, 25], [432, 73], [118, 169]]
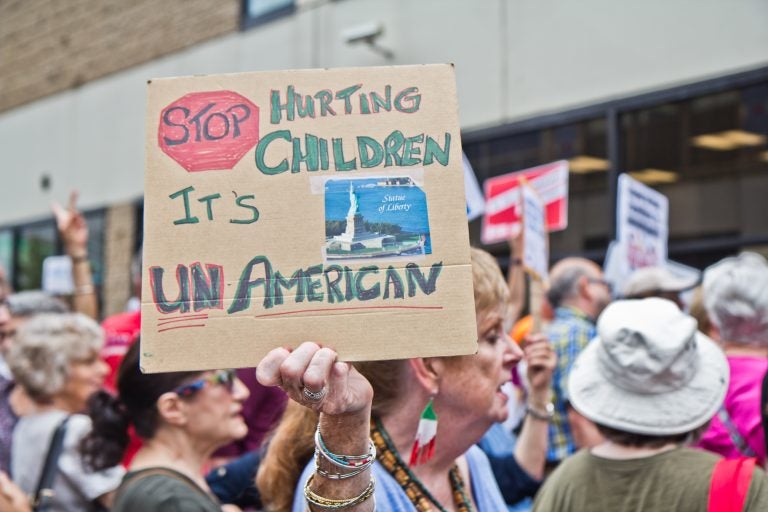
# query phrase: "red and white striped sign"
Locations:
[[502, 215]]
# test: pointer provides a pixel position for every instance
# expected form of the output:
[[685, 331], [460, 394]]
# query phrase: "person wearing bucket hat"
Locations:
[[650, 382]]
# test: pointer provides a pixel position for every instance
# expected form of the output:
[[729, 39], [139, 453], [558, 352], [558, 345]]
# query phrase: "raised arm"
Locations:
[[313, 377], [74, 234], [531, 447]]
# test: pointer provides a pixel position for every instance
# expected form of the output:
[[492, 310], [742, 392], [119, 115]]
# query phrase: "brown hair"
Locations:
[[291, 444], [135, 404], [698, 311], [624, 438]]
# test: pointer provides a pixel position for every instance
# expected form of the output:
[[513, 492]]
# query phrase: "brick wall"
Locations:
[[119, 237], [47, 46]]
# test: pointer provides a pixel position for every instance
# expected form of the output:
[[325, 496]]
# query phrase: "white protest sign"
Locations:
[[642, 223], [57, 275], [535, 244], [642, 218], [475, 199]]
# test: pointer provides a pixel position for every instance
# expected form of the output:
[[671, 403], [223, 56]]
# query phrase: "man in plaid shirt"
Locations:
[[578, 294]]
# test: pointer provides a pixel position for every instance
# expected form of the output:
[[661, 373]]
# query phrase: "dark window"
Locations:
[[6, 253], [256, 12], [35, 242]]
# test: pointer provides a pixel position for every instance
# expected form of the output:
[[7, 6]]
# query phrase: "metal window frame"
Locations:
[[612, 110], [17, 228]]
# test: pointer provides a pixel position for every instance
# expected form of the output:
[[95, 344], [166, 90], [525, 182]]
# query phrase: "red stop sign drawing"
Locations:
[[206, 131]]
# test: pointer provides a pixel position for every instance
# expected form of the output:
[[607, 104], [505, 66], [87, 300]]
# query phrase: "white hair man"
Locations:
[[578, 293]]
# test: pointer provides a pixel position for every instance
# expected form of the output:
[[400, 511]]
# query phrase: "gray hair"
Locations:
[[34, 302], [566, 285], [736, 298], [46, 346]]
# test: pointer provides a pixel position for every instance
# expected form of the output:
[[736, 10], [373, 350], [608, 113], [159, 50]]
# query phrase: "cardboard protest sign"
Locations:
[[502, 199], [321, 205]]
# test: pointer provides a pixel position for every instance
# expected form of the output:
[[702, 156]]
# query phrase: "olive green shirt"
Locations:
[[162, 490], [677, 480]]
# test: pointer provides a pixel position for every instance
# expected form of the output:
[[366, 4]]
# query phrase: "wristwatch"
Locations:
[[545, 415]]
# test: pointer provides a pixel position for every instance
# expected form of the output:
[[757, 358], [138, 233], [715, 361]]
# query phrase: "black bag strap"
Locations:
[[44, 493]]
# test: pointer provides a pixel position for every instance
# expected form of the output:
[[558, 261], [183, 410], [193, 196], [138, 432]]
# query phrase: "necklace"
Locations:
[[387, 455]]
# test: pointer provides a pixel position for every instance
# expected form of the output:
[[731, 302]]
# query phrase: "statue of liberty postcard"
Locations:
[[377, 217]]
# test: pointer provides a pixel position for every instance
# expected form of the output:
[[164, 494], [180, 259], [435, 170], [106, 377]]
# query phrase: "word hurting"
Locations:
[[203, 288], [326, 102]]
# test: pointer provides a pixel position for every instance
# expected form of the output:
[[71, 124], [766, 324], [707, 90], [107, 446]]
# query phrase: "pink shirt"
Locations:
[[743, 405]]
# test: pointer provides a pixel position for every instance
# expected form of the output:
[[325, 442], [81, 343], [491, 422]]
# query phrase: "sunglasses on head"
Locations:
[[224, 378]]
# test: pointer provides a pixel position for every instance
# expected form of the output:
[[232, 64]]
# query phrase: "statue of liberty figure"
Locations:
[[353, 204]]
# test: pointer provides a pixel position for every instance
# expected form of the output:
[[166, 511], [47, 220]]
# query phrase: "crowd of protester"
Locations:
[[651, 397]]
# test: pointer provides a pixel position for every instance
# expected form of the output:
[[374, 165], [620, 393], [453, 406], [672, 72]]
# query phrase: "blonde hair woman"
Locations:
[[376, 408]]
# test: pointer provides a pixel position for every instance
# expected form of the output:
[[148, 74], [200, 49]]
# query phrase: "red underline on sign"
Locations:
[[346, 309], [180, 327], [184, 317], [163, 321]]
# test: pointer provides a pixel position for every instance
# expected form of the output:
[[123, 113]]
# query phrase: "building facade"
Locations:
[[675, 92]]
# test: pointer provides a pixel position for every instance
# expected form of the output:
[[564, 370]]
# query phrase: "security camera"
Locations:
[[366, 33]]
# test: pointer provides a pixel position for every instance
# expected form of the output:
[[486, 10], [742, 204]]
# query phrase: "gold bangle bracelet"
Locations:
[[329, 504]]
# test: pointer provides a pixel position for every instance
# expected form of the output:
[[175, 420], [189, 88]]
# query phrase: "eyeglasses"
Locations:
[[602, 282], [224, 378]]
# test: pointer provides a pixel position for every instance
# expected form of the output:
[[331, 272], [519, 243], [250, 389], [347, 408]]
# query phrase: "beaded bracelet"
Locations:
[[337, 476], [329, 504], [345, 461]]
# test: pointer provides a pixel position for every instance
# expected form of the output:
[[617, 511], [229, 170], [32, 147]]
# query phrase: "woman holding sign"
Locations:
[[377, 439]]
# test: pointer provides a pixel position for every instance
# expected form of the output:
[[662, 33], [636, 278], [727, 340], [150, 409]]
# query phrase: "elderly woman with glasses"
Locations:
[[55, 360], [377, 442], [181, 417]]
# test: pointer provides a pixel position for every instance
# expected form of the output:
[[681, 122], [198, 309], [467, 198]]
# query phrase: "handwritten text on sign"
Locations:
[[304, 200]]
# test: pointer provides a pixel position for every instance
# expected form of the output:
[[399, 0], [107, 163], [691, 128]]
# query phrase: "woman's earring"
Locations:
[[424, 444]]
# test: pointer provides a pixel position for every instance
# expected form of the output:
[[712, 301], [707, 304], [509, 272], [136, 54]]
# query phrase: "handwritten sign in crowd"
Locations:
[[322, 205]]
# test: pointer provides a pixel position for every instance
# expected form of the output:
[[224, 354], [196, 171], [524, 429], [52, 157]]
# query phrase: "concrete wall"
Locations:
[[514, 59]]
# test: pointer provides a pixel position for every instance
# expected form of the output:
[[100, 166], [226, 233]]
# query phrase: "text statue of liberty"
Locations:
[[379, 217]]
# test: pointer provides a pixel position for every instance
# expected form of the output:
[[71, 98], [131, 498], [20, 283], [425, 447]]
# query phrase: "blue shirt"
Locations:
[[390, 497], [516, 485]]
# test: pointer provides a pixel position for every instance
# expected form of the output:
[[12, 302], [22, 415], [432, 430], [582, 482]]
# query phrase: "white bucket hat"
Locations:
[[648, 371]]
